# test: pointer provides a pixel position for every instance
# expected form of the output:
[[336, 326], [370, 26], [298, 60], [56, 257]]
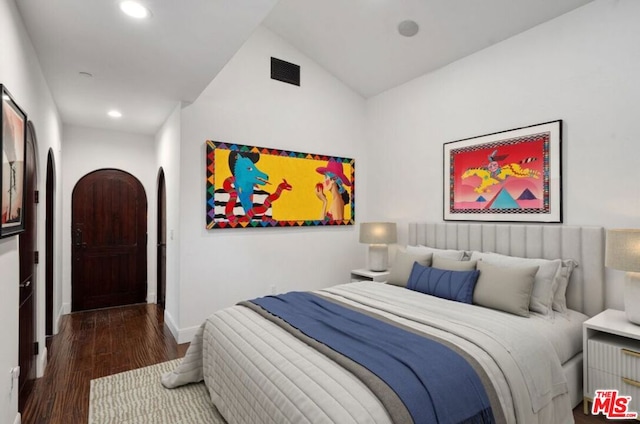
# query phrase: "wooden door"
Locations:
[[49, 241], [109, 241], [162, 240], [27, 320]]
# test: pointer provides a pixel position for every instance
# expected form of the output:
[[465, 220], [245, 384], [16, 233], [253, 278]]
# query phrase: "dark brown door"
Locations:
[[162, 240], [49, 237], [27, 333], [109, 239]]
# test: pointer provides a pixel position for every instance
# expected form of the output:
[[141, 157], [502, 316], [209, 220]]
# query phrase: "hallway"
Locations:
[[94, 344]]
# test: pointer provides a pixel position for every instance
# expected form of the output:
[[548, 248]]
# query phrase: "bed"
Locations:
[[259, 367]]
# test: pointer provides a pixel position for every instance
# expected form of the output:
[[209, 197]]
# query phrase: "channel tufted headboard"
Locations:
[[585, 245]]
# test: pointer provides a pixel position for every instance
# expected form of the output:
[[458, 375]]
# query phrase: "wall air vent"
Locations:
[[285, 71]]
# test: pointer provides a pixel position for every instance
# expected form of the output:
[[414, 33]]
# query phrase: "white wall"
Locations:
[[20, 72], [582, 67], [87, 150], [243, 105], [167, 144]]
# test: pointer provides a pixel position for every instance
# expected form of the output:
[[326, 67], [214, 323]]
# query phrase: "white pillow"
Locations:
[[451, 265], [505, 288], [456, 255], [562, 279], [544, 284], [403, 264]]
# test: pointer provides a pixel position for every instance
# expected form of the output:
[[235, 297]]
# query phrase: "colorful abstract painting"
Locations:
[[511, 176], [249, 186], [12, 170]]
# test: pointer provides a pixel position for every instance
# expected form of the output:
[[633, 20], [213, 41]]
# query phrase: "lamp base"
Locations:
[[378, 257], [632, 297]]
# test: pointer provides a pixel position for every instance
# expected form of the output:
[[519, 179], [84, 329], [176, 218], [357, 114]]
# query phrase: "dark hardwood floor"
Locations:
[[581, 418], [108, 341], [94, 344]]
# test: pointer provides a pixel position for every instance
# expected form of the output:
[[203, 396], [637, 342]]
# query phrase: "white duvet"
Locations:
[[256, 372]]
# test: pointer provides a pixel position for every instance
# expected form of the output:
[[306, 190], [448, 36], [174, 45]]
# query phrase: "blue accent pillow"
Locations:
[[452, 285]]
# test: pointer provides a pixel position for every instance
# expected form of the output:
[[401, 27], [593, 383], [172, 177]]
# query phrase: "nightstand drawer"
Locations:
[[615, 355], [599, 380]]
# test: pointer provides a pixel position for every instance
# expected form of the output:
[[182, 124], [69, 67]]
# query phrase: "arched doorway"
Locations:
[[49, 238], [162, 240], [27, 350], [109, 241]]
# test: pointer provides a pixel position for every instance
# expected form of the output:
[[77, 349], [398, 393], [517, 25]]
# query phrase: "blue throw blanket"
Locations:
[[435, 383]]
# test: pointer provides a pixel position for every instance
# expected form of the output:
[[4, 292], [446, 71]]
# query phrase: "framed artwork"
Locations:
[[511, 176], [13, 144], [249, 186]]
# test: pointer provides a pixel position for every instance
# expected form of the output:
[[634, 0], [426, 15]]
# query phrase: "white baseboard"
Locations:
[[186, 334], [152, 298], [182, 335], [42, 362], [45, 360], [168, 320], [61, 312], [66, 308], [18, 419]]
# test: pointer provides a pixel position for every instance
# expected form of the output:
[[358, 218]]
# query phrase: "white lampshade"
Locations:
[[623, 252], [378, 232], [377, 235]]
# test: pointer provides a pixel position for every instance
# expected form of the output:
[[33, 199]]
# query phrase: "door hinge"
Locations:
[[36, 348], [36, 257], [36, 196]]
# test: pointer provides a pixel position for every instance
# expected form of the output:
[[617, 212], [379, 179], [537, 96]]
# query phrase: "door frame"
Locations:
[[25, 387], [161, 274], [50, 196]]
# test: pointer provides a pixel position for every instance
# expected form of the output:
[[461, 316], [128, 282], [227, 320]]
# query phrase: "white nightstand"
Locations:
[[366, 275], [611, 357]]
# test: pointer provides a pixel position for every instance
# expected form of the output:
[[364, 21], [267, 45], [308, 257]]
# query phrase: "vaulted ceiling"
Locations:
[[144, 67]]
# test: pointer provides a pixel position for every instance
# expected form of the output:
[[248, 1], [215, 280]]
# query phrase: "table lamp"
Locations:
[[378, 235], [623, 252]]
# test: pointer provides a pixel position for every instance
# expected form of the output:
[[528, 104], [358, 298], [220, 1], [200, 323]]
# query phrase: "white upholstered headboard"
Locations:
[[585, 245]]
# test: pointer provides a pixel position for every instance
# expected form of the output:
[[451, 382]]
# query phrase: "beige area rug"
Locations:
[[138, 397]]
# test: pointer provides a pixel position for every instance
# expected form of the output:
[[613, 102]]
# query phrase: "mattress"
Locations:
[[257, 372]]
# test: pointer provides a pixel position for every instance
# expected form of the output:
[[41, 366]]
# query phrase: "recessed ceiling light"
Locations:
[[408, 28], [115, 114], [135, 9]]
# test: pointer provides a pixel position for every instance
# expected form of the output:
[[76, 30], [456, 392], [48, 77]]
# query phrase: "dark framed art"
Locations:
[[510, 176], [13, 144], [249, 186]]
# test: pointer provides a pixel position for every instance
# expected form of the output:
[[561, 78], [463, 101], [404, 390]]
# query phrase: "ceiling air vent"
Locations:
[[285, 71]]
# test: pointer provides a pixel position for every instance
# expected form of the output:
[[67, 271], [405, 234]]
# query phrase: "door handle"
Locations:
[[24, 285]]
